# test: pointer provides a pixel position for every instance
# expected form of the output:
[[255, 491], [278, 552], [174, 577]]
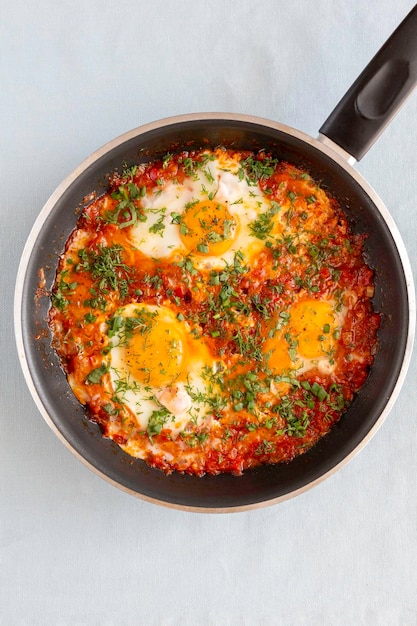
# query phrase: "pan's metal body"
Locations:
[[394, 299]]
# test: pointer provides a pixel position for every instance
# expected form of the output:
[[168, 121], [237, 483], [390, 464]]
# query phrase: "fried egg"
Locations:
[[159, 370], [207, 215], [305, 337]]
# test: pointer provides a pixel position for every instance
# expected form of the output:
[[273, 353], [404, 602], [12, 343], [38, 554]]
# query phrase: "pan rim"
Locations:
[[335, 155]]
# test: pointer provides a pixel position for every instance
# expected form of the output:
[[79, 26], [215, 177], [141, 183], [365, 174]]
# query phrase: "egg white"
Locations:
[[218, 180]]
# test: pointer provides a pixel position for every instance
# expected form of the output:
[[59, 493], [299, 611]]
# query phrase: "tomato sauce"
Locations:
[[290, 329]]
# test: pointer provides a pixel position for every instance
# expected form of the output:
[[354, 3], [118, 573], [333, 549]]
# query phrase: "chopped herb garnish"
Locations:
[[255, 169], [95, 376], [157, 421], [106, 266], [89, 318], [262, 227]]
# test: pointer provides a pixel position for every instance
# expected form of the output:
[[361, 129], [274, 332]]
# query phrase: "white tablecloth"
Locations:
[[74, 549]]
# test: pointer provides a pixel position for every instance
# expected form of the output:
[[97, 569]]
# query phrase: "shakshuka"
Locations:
[[213, 311]]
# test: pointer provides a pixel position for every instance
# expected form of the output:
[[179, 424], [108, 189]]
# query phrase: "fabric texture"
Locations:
[[74, 550]]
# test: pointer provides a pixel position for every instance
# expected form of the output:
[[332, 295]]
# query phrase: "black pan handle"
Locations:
[[378, 93]]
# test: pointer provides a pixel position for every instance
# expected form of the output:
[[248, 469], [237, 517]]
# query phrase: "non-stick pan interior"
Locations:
[[263, 484]]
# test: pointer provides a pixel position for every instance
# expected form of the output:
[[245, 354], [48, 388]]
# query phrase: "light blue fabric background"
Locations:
[[75, 550]]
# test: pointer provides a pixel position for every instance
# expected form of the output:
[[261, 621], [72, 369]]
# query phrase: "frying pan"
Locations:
[[345, 137]]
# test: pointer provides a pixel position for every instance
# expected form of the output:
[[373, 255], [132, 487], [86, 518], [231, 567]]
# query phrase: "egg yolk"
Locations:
[[276, 349], [208, 228], [312, 324], [154, 357], [308, 334]]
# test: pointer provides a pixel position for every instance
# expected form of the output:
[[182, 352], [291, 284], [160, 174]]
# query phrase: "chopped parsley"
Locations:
[[255, 169], [95, 376], [157, 421], [106, 266], [262, 227], [127, 211]]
